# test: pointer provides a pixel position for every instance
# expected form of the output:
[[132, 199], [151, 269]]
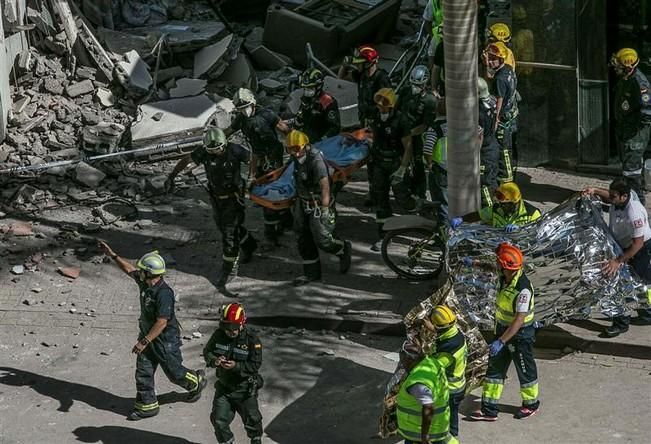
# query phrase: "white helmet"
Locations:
[[243, 98]]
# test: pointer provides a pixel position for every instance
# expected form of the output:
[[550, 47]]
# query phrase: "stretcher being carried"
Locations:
[[344, 154]]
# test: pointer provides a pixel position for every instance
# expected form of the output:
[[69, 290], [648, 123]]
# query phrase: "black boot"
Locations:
[[345, 257], [247, 247], [229, 271]]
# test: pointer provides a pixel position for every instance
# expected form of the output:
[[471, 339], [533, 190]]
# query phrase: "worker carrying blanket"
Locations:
[[344, 155]]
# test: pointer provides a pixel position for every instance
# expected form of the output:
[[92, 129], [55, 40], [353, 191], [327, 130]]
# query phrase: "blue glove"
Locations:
[[511, 228], [467, 261], [496, 347], [454, 223]]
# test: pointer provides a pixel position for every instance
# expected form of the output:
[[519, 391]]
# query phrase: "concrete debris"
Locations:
[[196, 335], [186, 116], [271, 85], [79, 88], [209, 60], [21, 229], [188, 87], [105, 97], [89, 176], [133, 74], [239, 74], [267, 59], [169, 73], [102, 138], [70, 272], [73, 310], [18, 269]]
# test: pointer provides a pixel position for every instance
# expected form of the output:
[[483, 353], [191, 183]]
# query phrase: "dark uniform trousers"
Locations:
[[504, 136], [228, 213], [438, 189], [519, 350], [641, 263], [632, 156], [243, 400], [489, 166], [314, 234], [383, 168], [419, 181], [168, 356]]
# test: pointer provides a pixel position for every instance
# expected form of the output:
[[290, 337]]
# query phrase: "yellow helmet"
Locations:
[[385, 98], [626, 57], [443, 317], [508, 192], [497, 49], [499, 32], [296, 141]]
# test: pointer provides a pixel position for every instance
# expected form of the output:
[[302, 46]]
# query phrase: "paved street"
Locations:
[[66, 371]]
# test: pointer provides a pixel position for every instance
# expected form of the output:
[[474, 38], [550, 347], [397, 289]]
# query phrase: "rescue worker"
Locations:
[[515, 335], [159, 339], [632, 116], [419, 104], [423, 408], [222, 161], [436, 158], [236, 354], [500, 32], [314, 215], [318, 116], [490, 148], [509, 211], [363, 69], [391, 154], [433, 20], [504, 89], [259, 126], [629, 223], [452, 354]]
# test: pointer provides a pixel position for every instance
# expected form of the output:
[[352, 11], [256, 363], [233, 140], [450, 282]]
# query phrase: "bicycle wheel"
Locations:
[[415, 253]]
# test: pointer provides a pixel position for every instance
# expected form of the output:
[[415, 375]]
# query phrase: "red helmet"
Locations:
[[365, 54], [234, 314], [509, 256]]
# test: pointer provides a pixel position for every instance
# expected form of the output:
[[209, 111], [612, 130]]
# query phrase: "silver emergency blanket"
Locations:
[[564, 252]]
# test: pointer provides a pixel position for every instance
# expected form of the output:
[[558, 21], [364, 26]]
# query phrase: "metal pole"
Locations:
[[319, 63]]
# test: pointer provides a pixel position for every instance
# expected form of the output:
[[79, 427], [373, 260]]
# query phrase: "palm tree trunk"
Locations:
[[461, 59]]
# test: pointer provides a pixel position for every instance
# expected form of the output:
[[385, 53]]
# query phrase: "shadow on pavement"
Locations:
[[121, 435], [66, 392], [542, 192], [342, 407]]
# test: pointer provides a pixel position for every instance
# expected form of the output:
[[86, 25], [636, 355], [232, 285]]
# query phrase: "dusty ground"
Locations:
[[67, 374]]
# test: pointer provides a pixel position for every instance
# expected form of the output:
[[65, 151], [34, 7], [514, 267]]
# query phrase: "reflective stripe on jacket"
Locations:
[[507, 298]]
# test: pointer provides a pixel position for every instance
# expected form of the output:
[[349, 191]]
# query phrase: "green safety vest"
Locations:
[[451, 349], [430, 373], [506, 300], [437, 17], [494, 215], [440, 153]]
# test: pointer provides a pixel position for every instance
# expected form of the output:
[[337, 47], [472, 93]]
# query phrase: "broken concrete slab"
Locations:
[[184, 36], [207, 59], [271, 85], [105, 97], [186, 116], [188, 87], [240, 74], [169, 73], [20, 104], [133, 74], [346, 94], [102, 138], [70, 272], [267, 59], [53, 86], [88, 175], [79, 88]]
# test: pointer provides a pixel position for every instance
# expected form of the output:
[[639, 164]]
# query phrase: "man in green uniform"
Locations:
[[259, 126], [314, 215], [423, 400], [515, 335], [419, 104], [318, 116], [391, 155], [452, 354], [222, 161], [632, 116], [236, 353], [159, 339]]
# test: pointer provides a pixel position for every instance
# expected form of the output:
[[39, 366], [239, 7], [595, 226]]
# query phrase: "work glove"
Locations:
[[326, 216], [511, 228], [467, 261], [398, 175], [454, 223], [168, 186], [495, 347]]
